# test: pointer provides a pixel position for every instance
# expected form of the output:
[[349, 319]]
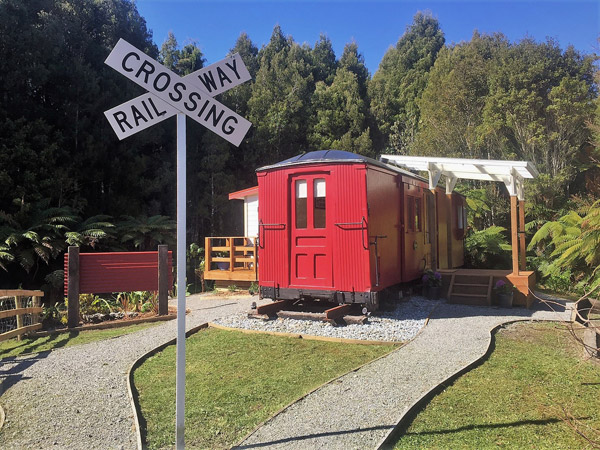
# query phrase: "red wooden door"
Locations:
[[310, 253]]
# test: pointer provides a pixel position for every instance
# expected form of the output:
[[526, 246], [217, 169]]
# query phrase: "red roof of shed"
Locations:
[[240, 195]]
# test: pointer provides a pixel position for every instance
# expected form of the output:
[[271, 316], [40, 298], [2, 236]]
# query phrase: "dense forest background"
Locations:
[[66, 179]]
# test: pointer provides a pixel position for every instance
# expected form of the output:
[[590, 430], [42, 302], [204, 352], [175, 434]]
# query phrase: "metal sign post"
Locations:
[[168, 95], [181, 282]]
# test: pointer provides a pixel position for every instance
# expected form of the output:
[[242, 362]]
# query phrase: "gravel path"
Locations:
[[76, 397], [362, 408]]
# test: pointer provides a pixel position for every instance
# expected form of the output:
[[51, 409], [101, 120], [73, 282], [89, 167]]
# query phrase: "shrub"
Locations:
[[487, 249]]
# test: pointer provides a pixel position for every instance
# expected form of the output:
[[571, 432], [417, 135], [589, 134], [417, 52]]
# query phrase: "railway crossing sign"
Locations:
[[190, 96], [169, 93]]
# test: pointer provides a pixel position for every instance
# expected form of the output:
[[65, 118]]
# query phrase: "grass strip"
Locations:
[[532, 392], [12, 347], [235, 381]]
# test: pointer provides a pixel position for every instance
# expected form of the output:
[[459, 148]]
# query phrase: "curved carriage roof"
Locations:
[[334, 156]]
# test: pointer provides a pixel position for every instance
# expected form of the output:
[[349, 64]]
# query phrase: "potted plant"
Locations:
[[504, 294], [432, 281]]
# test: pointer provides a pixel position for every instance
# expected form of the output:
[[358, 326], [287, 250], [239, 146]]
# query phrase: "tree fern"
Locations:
[[572, 243]]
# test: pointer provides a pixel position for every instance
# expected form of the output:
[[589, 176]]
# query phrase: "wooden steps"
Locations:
[[475, 289]]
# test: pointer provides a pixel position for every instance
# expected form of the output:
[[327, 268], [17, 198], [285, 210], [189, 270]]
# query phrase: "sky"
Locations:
[[373, 25]]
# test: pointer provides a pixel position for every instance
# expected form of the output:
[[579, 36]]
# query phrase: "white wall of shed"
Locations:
[[251, 216]]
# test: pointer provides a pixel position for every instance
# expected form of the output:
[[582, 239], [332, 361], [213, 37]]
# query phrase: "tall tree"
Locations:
[[354, 61], [340, 116], [398, 84], [323, 60], [279, 106], [453, 102]]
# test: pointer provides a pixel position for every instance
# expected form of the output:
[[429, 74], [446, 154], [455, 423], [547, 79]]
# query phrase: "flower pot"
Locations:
[[223, 265], [505, 300], [433, 292]]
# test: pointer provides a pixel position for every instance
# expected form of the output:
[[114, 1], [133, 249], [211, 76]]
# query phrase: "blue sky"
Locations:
[[375, 25]]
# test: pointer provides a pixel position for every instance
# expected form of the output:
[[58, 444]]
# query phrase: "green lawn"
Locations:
[[235, 381], [519, 398], [12, 347]]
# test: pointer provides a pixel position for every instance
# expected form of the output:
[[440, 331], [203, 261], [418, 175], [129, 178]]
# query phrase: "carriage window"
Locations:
[[319, 203], [460, 215], [410, 214], [301, 197], [417, 225], [426, 218]]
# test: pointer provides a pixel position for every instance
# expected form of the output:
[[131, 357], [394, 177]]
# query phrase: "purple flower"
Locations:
[[437, 275], [425, 278], [500, 284]]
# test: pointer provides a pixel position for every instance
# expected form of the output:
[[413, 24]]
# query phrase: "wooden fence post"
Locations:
[[19, 316], [231, 253], [73, 288], [36, 318], [163, 280]]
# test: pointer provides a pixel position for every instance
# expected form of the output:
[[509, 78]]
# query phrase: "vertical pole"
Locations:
[[231, 253], [73, 288], [522, 234], [163, 280], [37, 317], [18, 305], [514, 235], [255, 263], [450, 228], [207, 253], [181, 286]]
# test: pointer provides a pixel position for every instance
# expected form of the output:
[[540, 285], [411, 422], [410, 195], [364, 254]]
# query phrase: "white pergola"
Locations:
[[511, 173]]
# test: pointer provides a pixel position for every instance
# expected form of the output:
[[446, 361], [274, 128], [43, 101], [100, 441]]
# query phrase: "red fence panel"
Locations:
[[118, 272]]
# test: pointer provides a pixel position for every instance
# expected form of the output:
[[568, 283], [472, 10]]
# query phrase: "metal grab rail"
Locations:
[[261, 225], [363, 227], [376, 256]]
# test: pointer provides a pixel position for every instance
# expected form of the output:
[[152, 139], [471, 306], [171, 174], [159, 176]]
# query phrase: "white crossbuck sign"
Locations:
[[168, 94]]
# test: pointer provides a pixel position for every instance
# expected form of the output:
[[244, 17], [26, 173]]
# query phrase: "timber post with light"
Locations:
[[168, 95], [512, 174]]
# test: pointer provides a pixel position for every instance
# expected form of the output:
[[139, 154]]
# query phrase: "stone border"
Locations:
[[132, 392], [104, 326], [419, 404]]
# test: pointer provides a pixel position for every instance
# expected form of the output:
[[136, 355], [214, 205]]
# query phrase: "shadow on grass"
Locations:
[[316, 435], [518, 423], [55, 341]]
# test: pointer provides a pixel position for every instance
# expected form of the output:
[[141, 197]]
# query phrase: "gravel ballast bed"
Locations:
[[398, 325]]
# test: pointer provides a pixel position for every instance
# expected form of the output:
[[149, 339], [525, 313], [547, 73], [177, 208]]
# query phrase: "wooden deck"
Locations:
[[230, 258], [475, 286]]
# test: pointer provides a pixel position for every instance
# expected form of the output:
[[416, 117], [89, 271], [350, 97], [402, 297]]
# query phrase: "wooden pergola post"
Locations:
[[514, 234], [522, 249]]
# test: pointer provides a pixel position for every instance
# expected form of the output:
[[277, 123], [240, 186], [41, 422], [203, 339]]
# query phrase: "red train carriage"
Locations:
[[342, 227]]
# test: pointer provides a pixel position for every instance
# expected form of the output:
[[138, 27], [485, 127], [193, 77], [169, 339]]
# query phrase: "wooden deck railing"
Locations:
[[230, 258], [19, 312]]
